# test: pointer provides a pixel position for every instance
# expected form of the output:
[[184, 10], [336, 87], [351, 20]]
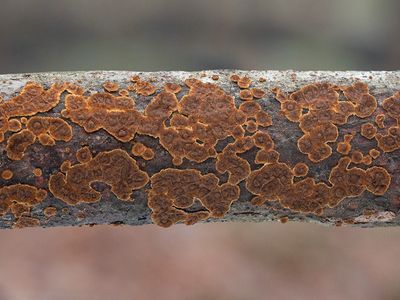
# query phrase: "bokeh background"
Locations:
[[206, 261]]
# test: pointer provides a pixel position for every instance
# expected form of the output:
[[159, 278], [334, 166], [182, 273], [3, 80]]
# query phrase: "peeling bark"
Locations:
[[367, 210]]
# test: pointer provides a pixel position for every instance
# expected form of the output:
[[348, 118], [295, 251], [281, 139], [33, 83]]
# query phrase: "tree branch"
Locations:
[[207, 146]]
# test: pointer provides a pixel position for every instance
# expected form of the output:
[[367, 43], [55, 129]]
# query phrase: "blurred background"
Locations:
[[206, 261]]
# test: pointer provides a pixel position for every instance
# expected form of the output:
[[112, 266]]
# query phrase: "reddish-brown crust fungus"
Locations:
[[56, 128], [37, 172], [84, 155], [143, 88], [14, 125], [7, 174], [246, 95], [228, 161], [258, 93], [20, 193], [138, 149], [391, 141], [380, 120], [110, 86], [374, 153], [343, 148], [274, 182], [18, 143], [319, 123], [50, 211], [172, 191], [368, 130], [392, 106], [357, 157], [116, 168], [244, 82], [365, 103], [172, 88], [300, 169], [234, 78], [31, 100]]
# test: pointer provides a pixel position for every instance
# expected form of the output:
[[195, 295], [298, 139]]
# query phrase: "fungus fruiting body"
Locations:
[[116, 168]]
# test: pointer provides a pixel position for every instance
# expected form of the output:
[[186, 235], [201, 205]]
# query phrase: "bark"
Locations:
[[367, 210]]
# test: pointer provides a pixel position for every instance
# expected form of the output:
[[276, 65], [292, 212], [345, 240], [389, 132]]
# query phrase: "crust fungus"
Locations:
[[300, 169], [392, 106], [143, 88], [110, 86], [319, 123], [246, 95], [380, 120], [115, 168], [172, 88], [138, 149], [174, 191], [50, 211], [26, 195], [368, 130], [7, 174]]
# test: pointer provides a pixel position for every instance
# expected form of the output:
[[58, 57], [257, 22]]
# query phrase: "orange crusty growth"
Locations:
[[31, 100], [357, 157], [343, 148], [172, 191], [14, 125], [143, 88], [358, 94], [20, 209], [37, 172], [46, 129], [56, 128], [392, 106], [246, 95], [18, 143], [110, 86], [138, 149], [7, 174], [205, 115], [374, 153], [234, 78], [228, 161], [116, 168], [84, 155], [325, 112], [258, 93], [50, 211], [172, 88], [274, 182], [117, 115], [300, 169], [380, 120], [244, 82], [20, 193], [368, 130], [391, 141]]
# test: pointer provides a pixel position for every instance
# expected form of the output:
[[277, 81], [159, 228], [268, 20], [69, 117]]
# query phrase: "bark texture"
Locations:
[[368, 209]]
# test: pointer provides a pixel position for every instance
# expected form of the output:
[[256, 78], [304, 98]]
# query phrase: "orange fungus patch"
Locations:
[[116, 168], [173, 191]]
